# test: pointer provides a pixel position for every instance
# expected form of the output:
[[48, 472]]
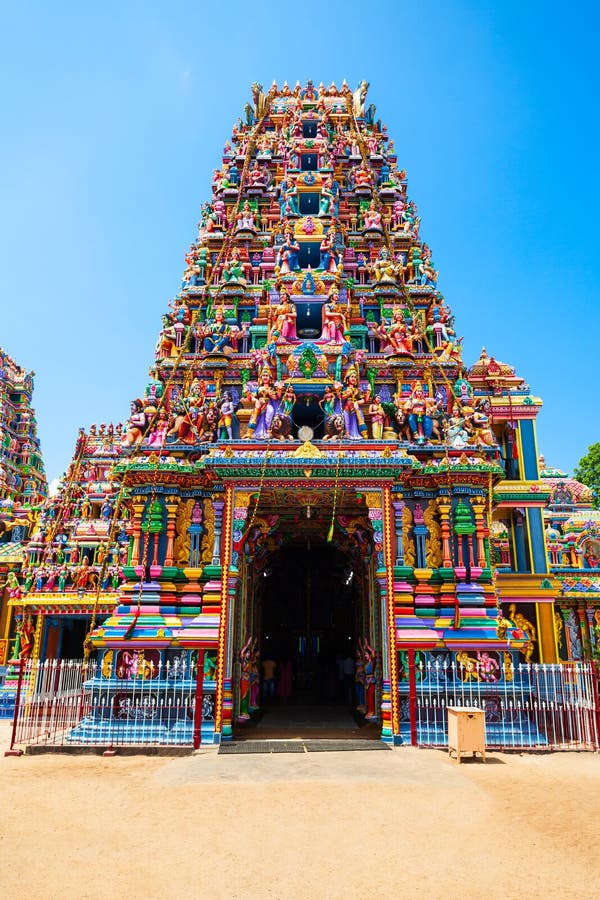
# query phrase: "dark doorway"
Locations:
[[308, 162], [309, 320], [309, 128], [74, 632], [310, 254], [309, 616], [308, 412], [309, 203]]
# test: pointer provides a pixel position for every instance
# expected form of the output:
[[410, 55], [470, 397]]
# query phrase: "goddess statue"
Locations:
[[335, 325], [265, 404], [353, 399], [245, 218], [395, 338], [385, 269], [284, 326], [233, 270], [372, 218], [377, 413]]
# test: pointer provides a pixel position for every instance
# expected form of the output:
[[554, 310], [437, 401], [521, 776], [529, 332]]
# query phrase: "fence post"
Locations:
[[12, 752], [198, 703], [595, 678], [412, 697]]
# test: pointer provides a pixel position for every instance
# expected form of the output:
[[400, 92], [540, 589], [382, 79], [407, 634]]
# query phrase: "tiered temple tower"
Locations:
[[22, 478], [311, 463]]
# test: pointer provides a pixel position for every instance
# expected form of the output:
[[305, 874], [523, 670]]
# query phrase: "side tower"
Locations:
[[311, 464], [23, 485]]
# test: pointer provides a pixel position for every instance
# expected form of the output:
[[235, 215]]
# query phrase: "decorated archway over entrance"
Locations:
[[308, 599]]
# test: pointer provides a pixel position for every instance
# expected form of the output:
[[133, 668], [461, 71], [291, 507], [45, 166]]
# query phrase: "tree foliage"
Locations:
[[588, 471]]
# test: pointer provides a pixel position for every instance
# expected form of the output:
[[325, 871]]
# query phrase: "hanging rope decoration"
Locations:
[[440, 371], [137, 449]]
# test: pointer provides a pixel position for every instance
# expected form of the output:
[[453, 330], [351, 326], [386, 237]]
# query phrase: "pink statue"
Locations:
[[372, 218], [284, 326], [335, 325], [395, 337]]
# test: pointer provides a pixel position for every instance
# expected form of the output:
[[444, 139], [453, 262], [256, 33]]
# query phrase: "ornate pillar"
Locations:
[[171, 505], [223, 692], [37, 638], [216, 556], [478, 505], [398, 506], [136, 529], [381, 516], [583, 628], [444, 508]]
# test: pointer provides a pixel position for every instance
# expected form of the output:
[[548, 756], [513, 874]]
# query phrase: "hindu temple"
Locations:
[[22, 477], [311, 472]]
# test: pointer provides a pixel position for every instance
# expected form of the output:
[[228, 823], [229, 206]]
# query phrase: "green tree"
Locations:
[[588, 471]]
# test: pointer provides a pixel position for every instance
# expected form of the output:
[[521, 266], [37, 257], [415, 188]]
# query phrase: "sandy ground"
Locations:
[[401, 823]]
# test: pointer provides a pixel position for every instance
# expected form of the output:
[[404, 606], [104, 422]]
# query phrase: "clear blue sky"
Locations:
[[115, 114]]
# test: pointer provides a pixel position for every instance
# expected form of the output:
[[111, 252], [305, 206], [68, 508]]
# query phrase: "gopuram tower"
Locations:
[[311, 472]]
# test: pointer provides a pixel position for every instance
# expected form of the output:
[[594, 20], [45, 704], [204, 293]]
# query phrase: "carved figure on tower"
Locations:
[[266, 403], [287, 254], [284, 325], [385, 269], [395, 338], [353, 399], [216, 334], [419, 408], [335, 324], [330, 257]]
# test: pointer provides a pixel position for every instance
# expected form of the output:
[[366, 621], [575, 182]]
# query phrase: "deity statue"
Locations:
[[335, 325], [136, 425], [369, 659], [331, 404], [284, 327], [216, 334], [419, 408], [358, 99], [456, 435], [377, 413], [362, 177], [245, 220], [327, 197], [330, 257], [245, 680], [527, 627], [481, 423], [395, 338], [353, 399], [385, 269], [233, 270], [226, 416], [372, 220], [289, 193], [287, 254], [265, 406]]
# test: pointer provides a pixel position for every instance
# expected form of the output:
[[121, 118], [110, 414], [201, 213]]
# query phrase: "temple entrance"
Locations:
[[309, 615], [309, 611]]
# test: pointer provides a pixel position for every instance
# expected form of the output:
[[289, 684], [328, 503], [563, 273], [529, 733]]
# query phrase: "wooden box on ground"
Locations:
[[466, 731]]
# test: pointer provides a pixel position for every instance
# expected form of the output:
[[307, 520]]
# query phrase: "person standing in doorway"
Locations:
[[348, 669], [269, 667]]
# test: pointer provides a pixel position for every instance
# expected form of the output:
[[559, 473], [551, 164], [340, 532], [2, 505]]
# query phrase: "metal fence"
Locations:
[[541, 707], [70, 702]]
